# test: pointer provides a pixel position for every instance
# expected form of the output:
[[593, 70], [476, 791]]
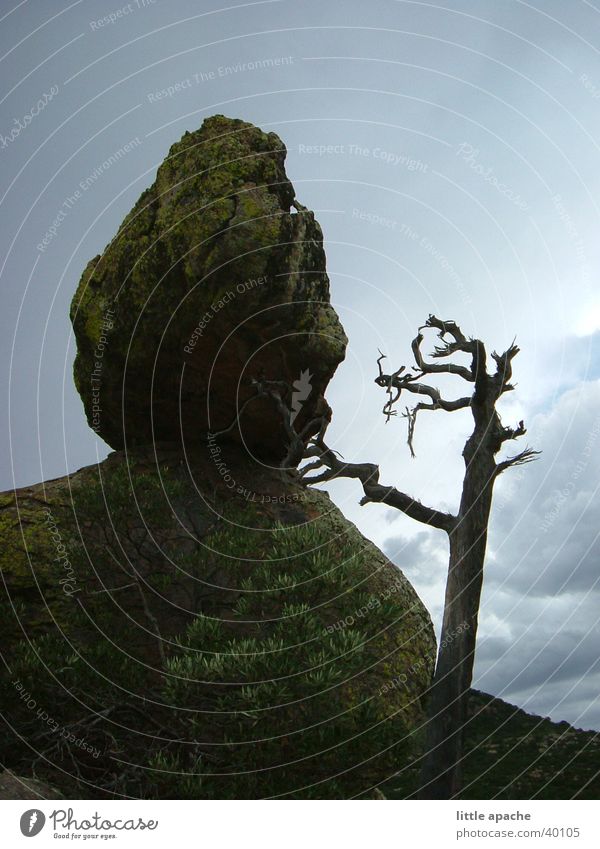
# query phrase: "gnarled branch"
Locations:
[[504, 368], [520, 459], [508, 433], [374, 492], [401, 380], [444, 350]]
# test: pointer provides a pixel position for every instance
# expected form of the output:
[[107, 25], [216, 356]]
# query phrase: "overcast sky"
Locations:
[[462, 177]]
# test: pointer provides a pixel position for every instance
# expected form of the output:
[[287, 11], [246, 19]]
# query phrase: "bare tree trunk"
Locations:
[[448, 697], [467, 531]]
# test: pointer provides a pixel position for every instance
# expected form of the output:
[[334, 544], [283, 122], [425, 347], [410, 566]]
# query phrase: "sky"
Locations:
[[451, 153]]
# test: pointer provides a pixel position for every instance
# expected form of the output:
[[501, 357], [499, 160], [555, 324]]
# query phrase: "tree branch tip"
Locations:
[[528, 455]]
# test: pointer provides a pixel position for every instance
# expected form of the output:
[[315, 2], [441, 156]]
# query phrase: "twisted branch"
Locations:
[[401, 380], [487, 390], [520, 459], [374, 492], [504, 368]]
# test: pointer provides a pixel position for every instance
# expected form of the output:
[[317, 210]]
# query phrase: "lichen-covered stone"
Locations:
[[217, 276], [148, 603], [194, 623]]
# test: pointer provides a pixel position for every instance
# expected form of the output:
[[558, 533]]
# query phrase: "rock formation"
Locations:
[[217, 276], [184, 621], [164, 607]]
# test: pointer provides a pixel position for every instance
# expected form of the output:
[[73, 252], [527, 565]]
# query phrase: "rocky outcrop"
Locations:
[[150, 604], [185, 620], [215, 278]]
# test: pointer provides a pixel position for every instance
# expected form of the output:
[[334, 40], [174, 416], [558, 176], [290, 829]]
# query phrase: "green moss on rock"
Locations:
[[219, 222], [230, 646]]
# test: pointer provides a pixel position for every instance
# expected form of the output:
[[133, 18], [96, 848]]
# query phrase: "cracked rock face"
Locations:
[[215, 278]]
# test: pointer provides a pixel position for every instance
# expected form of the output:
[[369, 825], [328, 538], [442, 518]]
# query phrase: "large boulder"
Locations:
[[171, 637], [215, 278], [195, 623]]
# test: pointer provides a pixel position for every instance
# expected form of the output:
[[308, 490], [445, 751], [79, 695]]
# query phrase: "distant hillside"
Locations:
[[511, 754]]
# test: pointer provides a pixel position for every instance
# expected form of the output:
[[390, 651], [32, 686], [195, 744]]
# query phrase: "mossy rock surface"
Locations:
[[217, 276], [211, 643]]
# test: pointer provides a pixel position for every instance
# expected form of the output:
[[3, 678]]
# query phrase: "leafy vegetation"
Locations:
[[511, 754], [276, 681]]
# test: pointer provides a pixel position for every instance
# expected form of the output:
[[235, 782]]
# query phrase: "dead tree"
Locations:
[[466, 530]]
